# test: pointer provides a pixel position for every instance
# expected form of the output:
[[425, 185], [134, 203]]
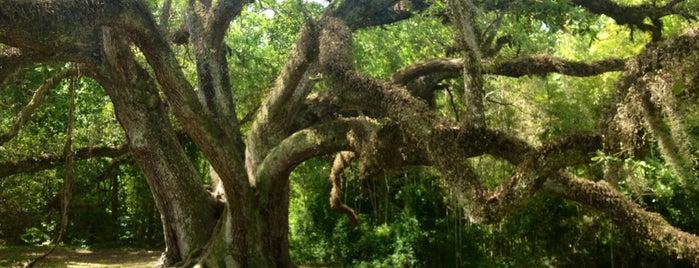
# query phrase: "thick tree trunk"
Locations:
[[252, 233], [270, 249], [274, 218], [255, 233], [187, 212]]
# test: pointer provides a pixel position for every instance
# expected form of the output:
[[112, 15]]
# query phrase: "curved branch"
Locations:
[[450, 147], [603, 197], [533, 172], [342, 160], [36, 101], [534, 166], [44, 162], [627, 214], [571, 151], [21, 21], [322, 139], [423, 130]]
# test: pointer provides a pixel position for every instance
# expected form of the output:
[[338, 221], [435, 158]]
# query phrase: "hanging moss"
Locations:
[[648, 101]]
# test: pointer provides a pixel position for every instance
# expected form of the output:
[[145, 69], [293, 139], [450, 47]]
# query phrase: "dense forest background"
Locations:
[[407, 217]]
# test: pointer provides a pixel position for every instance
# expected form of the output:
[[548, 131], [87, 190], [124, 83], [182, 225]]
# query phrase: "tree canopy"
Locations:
[[242, 117]]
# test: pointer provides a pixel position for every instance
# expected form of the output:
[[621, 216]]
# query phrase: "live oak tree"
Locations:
[[320, 104]]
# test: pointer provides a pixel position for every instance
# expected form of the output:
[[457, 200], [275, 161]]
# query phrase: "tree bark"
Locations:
[[187, 211]]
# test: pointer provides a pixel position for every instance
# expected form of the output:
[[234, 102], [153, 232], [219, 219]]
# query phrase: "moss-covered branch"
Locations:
[[342, 161], [542, 65], [531, 174], [629, 215]]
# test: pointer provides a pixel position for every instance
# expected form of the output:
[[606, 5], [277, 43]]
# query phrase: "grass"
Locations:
[[67, 257]]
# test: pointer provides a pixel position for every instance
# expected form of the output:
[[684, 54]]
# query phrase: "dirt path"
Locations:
[[10, 257]]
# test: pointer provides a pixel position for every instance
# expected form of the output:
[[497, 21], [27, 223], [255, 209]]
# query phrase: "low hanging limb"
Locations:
[[342, 160], [67, 189]]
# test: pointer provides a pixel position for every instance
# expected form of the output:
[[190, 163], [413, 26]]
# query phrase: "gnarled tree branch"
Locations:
[[533, 172], [220, 17], [629, 215], [342, 160]]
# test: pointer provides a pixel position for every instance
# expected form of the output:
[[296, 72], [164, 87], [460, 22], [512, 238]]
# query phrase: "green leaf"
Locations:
[[678, 88]]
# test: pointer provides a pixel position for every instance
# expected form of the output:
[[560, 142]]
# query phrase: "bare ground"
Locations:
[[65, 257]]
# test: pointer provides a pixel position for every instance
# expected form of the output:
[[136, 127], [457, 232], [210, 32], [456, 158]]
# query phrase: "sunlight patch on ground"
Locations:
[[79, 258]]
